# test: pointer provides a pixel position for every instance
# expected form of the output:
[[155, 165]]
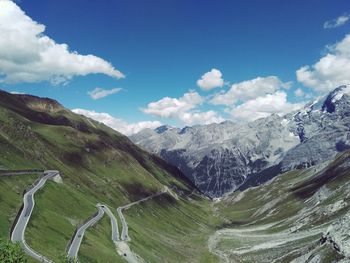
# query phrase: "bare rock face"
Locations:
[[323, 129], [220, 158], [337, 235]]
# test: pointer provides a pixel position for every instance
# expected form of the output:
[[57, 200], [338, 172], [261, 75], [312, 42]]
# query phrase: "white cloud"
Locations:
[[207, 117], [99, 93], [28, 55], [118, 124], [331, 71], [337, 22], [183, 109], [249, 89], [262, 107], [299, 92], [173, 107], [210, 80]]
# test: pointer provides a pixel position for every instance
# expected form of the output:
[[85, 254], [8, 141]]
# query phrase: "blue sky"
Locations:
[[163, 47]]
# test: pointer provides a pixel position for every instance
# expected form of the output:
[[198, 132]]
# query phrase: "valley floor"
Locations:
[[164, 226], [300, 216], [297, 217]]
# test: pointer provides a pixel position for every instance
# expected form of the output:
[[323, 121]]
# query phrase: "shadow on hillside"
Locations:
[[137, 191], [165, 200], [337, 171]]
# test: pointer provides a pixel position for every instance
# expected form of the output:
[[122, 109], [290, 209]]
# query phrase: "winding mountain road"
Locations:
[[120, 243], [122, 246], [114, 223], [79, 234], [20, 172], [125, 229], [17, 234]]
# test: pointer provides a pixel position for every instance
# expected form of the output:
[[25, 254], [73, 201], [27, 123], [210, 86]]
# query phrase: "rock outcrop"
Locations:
[[220, 158]]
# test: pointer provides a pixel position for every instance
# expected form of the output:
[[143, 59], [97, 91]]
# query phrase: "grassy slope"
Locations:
[[96, 163], [179, 229], [99, 165], [92, 244], [295, 204], [11, 189]]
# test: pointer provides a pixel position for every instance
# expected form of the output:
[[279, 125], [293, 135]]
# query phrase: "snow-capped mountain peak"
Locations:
[[220, 158], [335, 98]]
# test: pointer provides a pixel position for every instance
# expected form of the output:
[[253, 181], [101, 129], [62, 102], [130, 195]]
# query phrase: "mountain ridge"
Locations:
[[219, 158], [301, 213], [97, 165]]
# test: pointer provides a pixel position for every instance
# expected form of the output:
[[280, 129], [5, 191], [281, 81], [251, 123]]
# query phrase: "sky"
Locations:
[[141, 64]]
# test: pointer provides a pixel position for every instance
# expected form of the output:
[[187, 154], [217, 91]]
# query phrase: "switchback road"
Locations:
[[17, 234]]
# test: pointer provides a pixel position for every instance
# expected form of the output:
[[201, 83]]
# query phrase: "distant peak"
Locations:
[[328, 102], [339, 92], [162, 129], [184, 129], [333, 97]]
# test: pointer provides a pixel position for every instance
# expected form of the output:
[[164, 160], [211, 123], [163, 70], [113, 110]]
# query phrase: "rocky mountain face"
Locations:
[[220, 158], [299, 216]]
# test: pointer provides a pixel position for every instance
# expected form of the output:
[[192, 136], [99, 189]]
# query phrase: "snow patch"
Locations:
[[341, 93], [285, 122]]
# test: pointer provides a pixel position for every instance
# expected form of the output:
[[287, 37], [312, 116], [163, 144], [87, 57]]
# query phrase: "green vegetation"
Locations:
[[11, 253], [11, 189], [178, 229], [97, 165], [286, 217], [97, 245], [65, 259]]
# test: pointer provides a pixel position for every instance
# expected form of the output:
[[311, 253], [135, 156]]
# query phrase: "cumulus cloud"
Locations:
[[262, 107], [99, 93], [337, 22], [330, 71], [183, 109], [172, 107], [118, 124], [210, 80], [249, 89], [28, 55]]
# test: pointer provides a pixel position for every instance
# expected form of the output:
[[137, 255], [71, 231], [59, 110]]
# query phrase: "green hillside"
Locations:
[[97, 165], [287, 218], [300, 215]]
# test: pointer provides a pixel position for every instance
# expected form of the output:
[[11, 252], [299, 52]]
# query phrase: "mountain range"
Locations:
[[302, 215], [221, 158]]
